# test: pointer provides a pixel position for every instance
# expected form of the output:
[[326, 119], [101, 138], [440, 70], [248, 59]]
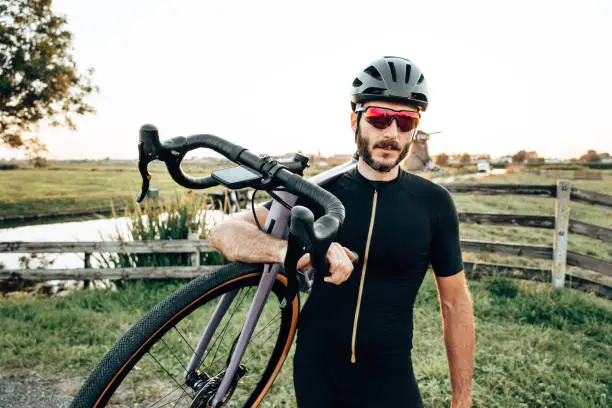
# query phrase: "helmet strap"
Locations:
[[359, 113]]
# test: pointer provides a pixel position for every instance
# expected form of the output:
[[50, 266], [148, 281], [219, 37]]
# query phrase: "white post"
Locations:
[[562, 214], [195, 256]]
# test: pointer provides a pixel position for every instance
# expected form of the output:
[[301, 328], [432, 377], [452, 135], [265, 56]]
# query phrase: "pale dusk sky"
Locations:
[[275, 76]]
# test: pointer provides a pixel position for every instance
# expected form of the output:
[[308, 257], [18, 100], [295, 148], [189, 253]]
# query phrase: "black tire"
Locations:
[[152, 334]]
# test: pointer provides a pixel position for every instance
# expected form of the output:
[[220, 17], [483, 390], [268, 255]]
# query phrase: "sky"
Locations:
[[275, 76]]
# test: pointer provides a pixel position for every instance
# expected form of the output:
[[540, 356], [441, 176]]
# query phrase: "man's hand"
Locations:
[[340, 261]]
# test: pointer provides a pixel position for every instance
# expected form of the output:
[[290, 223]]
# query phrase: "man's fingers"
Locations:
[[304, 262], [331, 279], [338, 276], [352, 255]]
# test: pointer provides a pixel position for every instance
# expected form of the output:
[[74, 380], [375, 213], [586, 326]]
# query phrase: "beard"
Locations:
[[364, 151]]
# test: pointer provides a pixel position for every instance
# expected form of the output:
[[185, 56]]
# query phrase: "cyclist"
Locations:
[[355, 332]]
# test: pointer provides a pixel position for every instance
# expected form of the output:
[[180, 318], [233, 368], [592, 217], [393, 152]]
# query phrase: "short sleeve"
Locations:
[[446, 257], [268, 205]]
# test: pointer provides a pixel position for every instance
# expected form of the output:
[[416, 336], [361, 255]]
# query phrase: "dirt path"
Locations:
[[34, 392]]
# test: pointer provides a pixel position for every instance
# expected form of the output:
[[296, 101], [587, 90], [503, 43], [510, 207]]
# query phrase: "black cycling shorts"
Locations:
[[324, 381]]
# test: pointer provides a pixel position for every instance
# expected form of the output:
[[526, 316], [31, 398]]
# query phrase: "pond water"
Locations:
[[107, 229], [92, 230]]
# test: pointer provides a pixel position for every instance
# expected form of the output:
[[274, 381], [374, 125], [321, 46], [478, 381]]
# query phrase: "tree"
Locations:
[[519, 157], [465, 158], [442, 159], [38, 75], [35, 152], [590, 156]]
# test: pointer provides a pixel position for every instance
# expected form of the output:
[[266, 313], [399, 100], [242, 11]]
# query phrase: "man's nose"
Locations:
[[392, 130]]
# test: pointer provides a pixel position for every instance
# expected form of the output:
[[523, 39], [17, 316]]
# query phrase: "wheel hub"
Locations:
[[205, 395]]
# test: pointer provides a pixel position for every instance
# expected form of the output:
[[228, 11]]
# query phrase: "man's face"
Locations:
[[382, 149]]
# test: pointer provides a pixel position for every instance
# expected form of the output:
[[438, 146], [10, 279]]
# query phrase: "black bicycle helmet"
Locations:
[[390, 79]]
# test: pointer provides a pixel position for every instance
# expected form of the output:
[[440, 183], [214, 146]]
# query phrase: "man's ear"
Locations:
[[353, 121]]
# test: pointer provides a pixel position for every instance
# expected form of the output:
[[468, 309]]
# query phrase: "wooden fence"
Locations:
[[561, 224]]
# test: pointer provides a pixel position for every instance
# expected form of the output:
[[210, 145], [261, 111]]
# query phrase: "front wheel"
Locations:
[[146, 368]]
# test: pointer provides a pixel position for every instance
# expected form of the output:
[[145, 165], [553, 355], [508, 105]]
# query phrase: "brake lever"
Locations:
[[149, 148], [144, 173]]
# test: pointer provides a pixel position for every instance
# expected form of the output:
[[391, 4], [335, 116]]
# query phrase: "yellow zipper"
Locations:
[[363, 272]]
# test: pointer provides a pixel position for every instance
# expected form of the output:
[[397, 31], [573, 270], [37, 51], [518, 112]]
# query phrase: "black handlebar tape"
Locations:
[[185, 180], [326, 226], [302, 220], [303, 229], [174, 151], [182, 145]]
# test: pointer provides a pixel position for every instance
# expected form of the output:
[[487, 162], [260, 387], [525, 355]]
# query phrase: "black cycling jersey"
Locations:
[[398, 228]]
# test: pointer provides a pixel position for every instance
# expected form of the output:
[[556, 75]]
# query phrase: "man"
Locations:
[[355, 332]]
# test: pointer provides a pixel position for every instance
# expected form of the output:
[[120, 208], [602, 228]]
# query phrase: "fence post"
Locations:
[[195, 256], [87, 265], [562, 214]]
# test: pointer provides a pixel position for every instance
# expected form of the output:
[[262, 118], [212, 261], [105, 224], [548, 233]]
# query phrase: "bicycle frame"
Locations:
[[277, 225]]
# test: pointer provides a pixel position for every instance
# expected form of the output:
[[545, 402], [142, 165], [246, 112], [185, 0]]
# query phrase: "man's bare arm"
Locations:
[[459, 337], [239, 239]]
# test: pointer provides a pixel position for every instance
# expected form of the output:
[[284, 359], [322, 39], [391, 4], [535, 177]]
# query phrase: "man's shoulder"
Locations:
[[341, 181], [421, 186]]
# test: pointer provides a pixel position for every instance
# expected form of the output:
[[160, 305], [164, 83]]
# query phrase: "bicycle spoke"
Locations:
[[170, 375], [164, 397], [224, 330], [267, 324], [191, 349], [173, 354], [253, 337], [173, 402]]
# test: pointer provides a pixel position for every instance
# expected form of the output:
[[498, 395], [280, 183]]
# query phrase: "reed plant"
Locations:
[[184, 216]]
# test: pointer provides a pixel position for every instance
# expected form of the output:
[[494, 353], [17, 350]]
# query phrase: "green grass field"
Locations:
[[80, 187], [84, 186], [535, 347]]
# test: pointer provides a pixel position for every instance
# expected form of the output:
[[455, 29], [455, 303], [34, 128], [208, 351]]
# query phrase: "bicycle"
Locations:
[[215, 372]]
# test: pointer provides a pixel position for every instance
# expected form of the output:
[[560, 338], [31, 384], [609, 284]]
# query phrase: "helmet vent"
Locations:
[[407, 77], [357, 83], [393, 74], [421, 79], [372, 71], [374, 91], [419, 97]]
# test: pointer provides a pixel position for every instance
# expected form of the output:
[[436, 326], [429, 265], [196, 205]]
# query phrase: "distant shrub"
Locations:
[[8, 166], [570, 166], [560, 166], [599, 166], [39, 162]]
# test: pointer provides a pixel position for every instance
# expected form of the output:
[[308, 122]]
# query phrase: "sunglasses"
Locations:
[[381, 118]]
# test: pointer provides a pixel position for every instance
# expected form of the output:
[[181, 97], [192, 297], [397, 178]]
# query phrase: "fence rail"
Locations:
[[536, 221], [200, 246], [496, 189]]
